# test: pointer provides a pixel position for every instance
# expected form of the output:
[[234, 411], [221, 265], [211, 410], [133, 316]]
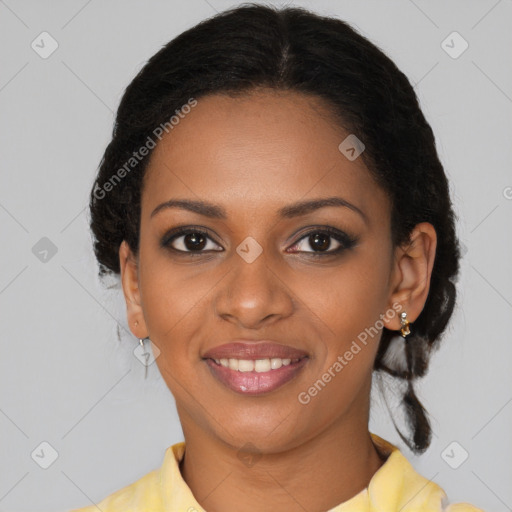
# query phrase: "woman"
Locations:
[[275, 207]]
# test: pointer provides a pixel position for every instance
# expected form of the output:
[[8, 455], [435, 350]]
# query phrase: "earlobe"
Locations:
[[413, 266], [130, 284]]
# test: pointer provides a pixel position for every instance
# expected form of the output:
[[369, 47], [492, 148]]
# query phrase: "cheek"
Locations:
[[350, 297], [174, 301], [165, 296], [350, 301]]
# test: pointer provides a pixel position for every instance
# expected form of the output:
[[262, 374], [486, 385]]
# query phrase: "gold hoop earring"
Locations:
[[404, 329]]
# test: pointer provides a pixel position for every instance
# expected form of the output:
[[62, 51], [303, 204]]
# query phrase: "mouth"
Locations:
[[255, 376], [254, 367]]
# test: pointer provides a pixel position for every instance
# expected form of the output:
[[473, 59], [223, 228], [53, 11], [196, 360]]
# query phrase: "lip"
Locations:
[[253, 350], [255, 383]]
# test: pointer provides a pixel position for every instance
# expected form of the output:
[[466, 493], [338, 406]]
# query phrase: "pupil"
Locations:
[[320, 240], [194, 241]]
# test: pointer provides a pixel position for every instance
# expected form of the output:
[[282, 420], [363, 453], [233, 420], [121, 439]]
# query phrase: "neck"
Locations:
[[318, 474]]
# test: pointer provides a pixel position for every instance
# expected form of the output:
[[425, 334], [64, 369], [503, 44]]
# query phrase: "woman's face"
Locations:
[[257, 274]]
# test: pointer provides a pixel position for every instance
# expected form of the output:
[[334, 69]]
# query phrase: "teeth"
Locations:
[[258, 365], [262, 365], [245, 365], [276, 363]]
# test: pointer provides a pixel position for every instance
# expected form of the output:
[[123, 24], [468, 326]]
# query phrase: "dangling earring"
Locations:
[[404, 329], [146, 356]]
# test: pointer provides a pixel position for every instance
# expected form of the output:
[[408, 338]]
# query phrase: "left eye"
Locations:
[[321, 242]]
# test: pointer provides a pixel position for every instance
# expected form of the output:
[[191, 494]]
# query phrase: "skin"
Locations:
[[253, 155]]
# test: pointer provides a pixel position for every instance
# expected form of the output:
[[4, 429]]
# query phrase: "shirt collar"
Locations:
[[394, 486]]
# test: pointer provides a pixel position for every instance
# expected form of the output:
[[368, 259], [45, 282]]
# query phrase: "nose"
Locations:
[[254, 294]]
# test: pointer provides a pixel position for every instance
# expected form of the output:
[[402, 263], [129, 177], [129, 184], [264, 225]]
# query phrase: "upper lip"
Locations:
[[262, 349]]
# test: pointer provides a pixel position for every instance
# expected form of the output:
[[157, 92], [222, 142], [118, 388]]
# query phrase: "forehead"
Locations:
[[265, 149]]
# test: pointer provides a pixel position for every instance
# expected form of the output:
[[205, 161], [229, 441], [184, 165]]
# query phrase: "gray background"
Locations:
[[68, 381]]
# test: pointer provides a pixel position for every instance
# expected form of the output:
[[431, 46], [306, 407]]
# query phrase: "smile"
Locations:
[[258, 365], [255, 376]]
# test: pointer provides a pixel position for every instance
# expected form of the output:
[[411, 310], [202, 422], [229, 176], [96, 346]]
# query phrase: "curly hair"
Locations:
[[252, 46]]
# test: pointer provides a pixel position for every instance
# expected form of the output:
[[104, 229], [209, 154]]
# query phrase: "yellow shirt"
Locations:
[[395, 486]]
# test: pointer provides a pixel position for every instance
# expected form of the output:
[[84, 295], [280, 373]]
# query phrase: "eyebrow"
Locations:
[[215, 211]]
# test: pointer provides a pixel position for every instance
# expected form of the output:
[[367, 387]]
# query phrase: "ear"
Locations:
[[411, 273], [130, 282]]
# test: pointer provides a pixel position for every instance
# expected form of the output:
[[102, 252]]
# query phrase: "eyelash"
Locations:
[[346, 241]]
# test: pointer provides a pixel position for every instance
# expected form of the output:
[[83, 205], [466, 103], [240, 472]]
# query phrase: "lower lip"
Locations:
[[255, 383]]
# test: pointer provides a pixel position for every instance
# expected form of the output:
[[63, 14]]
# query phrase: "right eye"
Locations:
[[190, 240]]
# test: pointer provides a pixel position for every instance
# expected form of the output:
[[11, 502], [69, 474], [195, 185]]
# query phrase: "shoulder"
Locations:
[[161, 489], [397, 486]]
